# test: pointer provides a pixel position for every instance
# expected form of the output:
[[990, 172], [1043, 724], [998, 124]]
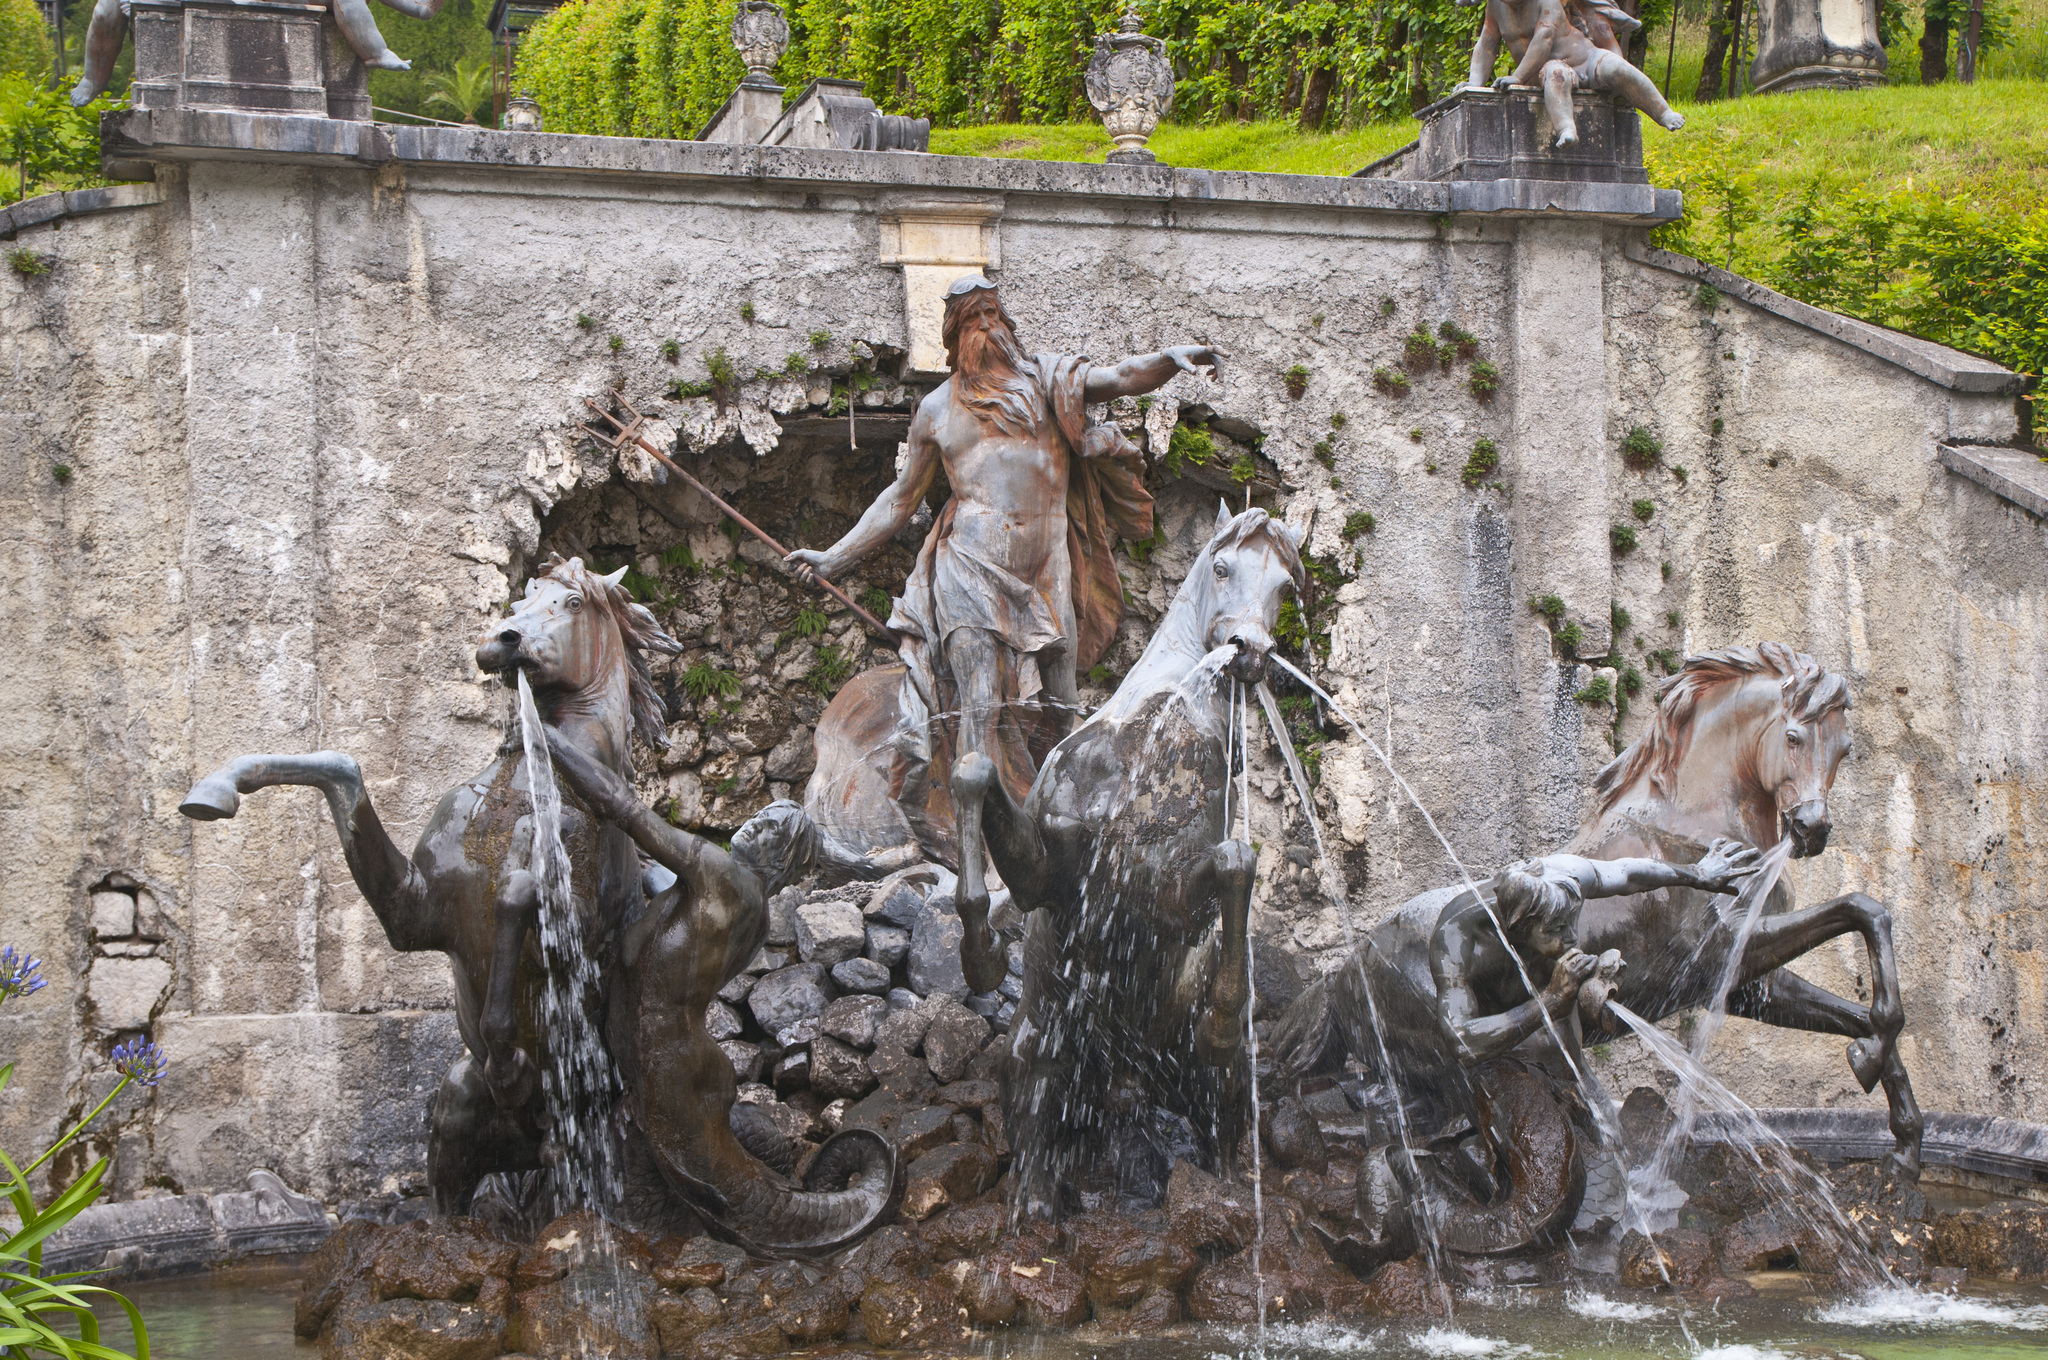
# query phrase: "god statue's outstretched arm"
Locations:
[[1455, 959], [890, 512], [1142, 373]]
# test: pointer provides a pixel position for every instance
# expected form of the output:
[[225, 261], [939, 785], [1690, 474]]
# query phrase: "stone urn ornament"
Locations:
[[761, 34], [1130, 83]]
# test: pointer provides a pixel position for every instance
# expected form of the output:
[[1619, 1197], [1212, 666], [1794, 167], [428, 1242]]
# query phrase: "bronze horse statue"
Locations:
[[1127, 1047], [1745, 746], [469, 890]]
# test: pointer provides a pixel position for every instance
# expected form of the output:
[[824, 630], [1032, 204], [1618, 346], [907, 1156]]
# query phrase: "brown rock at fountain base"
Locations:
[[331, 1272], [365, 1328], [954, 1174], [679, 1319], [1121, 1263], [591, 1311], [1680, 1259], [439, 1259], [815, 1314], [1206, 1212], [985, 1290], [897, 1309], [753, 1337], [1997, 1242], [1295, 1137], [1297, 1280], [1772, 1239], [1405, 1289], [965, 1232], [1050, 1292]]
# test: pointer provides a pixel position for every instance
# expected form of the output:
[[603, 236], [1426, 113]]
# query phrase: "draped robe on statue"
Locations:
[[1079, 600]]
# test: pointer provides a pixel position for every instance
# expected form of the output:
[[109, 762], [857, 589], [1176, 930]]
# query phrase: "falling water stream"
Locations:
[[1238, 707], [576, 1080]]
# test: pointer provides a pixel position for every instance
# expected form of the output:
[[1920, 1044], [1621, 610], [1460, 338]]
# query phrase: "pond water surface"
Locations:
[[244, 1318]]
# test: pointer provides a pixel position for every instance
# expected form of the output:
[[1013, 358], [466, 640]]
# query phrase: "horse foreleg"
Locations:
[[389, 881], [1220, 1031], [1791, 1002], [506, 1065], [981, 799], [1780, 939]]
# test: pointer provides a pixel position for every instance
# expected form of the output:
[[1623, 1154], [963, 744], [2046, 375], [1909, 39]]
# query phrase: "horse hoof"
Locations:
[[1866, 1060], [212, 799], [1906, 1164]]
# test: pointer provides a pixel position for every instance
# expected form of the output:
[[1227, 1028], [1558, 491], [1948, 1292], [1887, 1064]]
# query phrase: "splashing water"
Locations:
[[1887, 1307], [577, 1079], [1239, 707], [1425, 1218], [1798, 1186]]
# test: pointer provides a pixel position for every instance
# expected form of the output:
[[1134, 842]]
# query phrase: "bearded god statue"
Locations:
[[1015, 591]]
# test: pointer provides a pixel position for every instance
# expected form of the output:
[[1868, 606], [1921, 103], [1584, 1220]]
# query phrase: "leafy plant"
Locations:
[[585, 321], [1569, 636], [1600, 691], [795, 364], [1337, 420], [1640, 449], [43, 1314], [1356, 523], [27, 263], [703, 680], [810, 621], [1666, 569], [876, 601], [1484, 459], [46, 142], [1706, 297], [1618, 618], [615, 342], [1672, 619], [830, 671], [1296, 379], [820, 339], [671, 350], [1244, 469], [725, 378], [1386, 306], [1391, 381], [1664, 659], [1100, 677], [1290, 629], [1631, 681], [1622, 537], [1551, 607], [62, 472], [1484, 380], [1415, 435], [1678, 471], [1464, 344], [678, 557], [463, 91], [1188, 446], [1418, 353], [1325, 453], [1642, 509], [746, 311]]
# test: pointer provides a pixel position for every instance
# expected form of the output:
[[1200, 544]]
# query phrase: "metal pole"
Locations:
[[708, 494], [1966, 60]]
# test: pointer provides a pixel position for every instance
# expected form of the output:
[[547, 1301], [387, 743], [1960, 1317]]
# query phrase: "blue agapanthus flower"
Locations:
[[20, 974], [141, 1059]]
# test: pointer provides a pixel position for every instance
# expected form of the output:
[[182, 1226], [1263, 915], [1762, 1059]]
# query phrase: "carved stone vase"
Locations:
[[1130, 83], [761, 34]]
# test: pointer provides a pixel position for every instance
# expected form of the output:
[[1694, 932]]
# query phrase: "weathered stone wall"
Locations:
[[319, 420]]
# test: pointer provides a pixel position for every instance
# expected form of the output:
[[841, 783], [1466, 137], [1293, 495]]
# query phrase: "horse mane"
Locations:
[[1811, 692], [637, 629], [1243, 527]]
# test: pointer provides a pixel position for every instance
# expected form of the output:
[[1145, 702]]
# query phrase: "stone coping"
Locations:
[[2010, 1150], [1951, 368], [137, 136], [2019, 475], [45, 208]]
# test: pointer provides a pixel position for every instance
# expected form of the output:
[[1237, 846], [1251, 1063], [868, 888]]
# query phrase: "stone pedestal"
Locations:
[[746, 115], [835, 115], [1480, 135], [1817, 45], [257, 57], [934, 241]]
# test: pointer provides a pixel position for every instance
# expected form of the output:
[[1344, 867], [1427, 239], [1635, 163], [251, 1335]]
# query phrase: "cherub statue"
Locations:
[[1551, 50], [110, 22]]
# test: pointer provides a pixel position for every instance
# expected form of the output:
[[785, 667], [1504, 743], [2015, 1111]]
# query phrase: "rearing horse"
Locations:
[[1135, 958], [1745, 744], [468, 891]]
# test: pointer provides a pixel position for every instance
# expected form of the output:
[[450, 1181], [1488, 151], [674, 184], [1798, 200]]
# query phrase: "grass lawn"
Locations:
[[1277, 147]]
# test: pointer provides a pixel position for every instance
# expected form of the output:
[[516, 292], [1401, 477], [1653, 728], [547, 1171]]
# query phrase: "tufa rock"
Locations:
[[853, 1020], [952, 1038], [902, 1030], [1679, 1259], [829, 932], [954, 1174], [1206, 1213], [679, 1319], [839, 1071], [594, 1310], [331, 1271], [788, 995], [965, 1232], [1121, 1263], [367, 1328], [861, 975], [722, 1021], [744, 1057], [448, 1259], [1295, 1137], [782, 916], [933, 964]]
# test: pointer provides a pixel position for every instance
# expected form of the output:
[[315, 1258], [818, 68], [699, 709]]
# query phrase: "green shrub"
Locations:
[[1551, 607], [1356, 523], [1418, 351], [615, 343], [1337, 421], [810, 621], [671, 350], [1296, 380], [876, 601], [1485, 458], [1392, 381], [585, 321], [1618, 618], [1325, 453], [1569, 636], [830, 671], [703, 680], [1598, 692], [1622, 538], [1642, 509], [1243, 470]]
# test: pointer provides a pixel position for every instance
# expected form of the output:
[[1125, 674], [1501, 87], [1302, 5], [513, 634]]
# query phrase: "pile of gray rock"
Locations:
[[813, 1015]]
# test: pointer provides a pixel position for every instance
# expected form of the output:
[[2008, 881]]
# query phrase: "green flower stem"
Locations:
[[76, 1129]]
